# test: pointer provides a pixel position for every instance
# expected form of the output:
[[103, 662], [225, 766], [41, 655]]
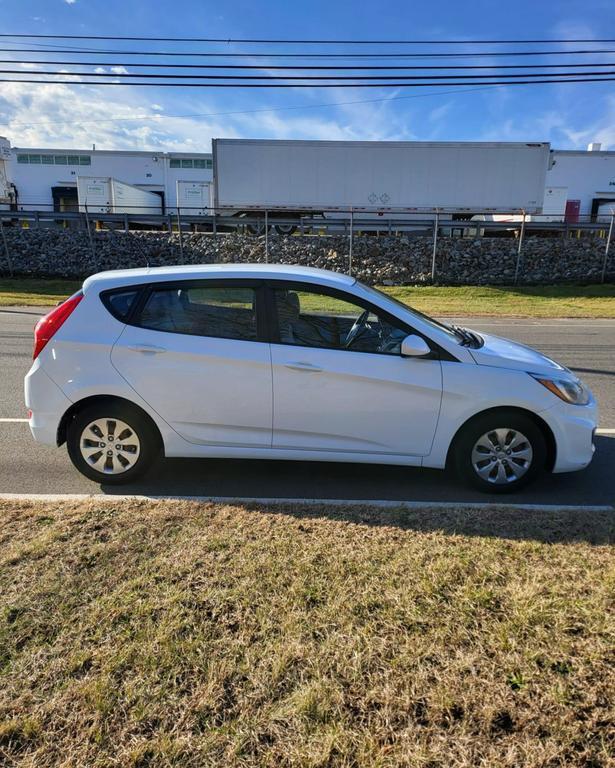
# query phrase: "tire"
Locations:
[[140, 442], [285, 230], [500, 452], [274, 229]]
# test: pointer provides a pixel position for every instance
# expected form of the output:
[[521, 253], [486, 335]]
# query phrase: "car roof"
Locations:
[[120, 277]]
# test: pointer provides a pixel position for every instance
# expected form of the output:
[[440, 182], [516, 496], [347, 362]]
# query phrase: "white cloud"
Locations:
[[60, 115], [119, 70], [100, 70], [70, 2], [63, 116], [574, 118], [438, 113], [601, 129]]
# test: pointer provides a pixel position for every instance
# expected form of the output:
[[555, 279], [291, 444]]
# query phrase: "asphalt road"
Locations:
[[586, 346]]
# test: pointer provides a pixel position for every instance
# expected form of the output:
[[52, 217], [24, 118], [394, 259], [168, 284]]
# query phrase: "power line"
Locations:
[[373, 56], [277, 41], [163, 116], [299, 85], [302, 66], [312, 78]]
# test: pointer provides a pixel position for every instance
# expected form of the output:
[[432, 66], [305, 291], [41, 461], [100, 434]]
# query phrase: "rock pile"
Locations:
[[388, 260]]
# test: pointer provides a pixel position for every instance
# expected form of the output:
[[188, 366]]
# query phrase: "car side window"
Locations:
[[309, 318], [222, 311]]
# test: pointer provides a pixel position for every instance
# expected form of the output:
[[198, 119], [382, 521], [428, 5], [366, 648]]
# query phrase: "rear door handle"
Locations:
[[146, 349], [306, 367]]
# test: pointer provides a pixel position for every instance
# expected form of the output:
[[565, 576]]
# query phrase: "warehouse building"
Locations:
[[59, 179], [578, 185], [584, 181]]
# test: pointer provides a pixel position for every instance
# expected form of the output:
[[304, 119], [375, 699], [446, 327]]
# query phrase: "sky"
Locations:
[[79, 116]]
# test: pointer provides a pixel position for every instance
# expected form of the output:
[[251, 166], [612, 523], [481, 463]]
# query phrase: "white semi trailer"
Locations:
[[375, 178], [107, 195], [194, 197]]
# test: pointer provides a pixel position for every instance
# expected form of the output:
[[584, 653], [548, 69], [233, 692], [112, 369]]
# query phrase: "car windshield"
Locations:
[[452, 332]]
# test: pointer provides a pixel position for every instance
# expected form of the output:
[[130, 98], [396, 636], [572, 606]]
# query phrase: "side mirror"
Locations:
[[415, 346]]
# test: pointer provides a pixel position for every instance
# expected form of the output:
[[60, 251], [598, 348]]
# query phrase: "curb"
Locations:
[[378, 503]]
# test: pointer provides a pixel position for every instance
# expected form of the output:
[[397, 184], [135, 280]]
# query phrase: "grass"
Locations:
[[33, 292], [177, 634], [524, 301]]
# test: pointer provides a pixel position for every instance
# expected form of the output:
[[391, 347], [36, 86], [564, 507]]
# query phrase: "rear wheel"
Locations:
[[112, 443], [500, 452], [256, 229], [285, 229], [279, 229]]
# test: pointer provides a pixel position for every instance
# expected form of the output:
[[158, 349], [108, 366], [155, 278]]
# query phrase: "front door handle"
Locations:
[[146, 349], [300, 366]]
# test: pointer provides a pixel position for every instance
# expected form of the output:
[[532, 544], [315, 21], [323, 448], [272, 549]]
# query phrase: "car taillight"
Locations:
[[47, 326]]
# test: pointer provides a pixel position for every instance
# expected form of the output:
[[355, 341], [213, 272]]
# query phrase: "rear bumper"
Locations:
[[47, 404], [573, 427]]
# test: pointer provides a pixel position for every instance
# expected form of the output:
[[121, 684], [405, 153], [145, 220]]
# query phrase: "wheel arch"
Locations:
[[538, 421], [86, 402]]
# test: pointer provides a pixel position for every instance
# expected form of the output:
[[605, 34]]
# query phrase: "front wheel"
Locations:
[[501, 452], [112, 443]]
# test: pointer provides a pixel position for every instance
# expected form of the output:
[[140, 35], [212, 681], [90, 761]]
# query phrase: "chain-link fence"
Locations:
[[379, 248]]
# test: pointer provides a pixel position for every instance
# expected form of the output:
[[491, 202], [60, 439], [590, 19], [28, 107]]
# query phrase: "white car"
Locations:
[[280, 362]]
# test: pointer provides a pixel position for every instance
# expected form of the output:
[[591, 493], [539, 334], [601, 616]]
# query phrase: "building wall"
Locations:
[[586, 174], [154, 171]]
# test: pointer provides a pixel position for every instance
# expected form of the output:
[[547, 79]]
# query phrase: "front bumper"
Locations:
[[47, 404], [573, 427]]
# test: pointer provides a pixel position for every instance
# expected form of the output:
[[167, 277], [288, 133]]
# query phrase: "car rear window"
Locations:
[[119, 303]]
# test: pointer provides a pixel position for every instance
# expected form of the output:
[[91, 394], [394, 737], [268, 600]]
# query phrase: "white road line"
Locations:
[[511, 322], [379, 503], [500, 324], [13, 421], [34, 313]]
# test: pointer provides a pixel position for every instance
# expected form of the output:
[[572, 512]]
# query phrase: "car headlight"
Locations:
[[569, 390]]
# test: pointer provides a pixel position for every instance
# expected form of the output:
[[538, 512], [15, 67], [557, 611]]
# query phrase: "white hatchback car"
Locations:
[[280, 362]]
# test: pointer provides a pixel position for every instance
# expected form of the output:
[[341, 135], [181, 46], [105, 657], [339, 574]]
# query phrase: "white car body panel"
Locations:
[[503, 353], [211, 391], [215, 397], [354, 401], [500, 387], [46, 401]]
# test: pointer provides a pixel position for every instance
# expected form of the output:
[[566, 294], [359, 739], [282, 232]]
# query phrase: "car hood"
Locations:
[[503, 353]]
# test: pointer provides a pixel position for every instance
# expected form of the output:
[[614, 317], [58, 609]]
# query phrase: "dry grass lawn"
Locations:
[[443, 301], [184, 634]]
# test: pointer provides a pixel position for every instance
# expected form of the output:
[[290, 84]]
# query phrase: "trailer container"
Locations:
[[107, 195], [194, 197], [321, 176]]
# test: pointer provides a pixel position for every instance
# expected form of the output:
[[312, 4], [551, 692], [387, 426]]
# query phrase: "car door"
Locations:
[[360, 397], [194, 353]]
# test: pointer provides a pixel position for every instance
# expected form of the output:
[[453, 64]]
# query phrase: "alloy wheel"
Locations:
[[110, 446], [502, 456]]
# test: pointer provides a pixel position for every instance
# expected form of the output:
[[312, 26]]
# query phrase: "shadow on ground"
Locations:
[[319, 480], [552, 526]]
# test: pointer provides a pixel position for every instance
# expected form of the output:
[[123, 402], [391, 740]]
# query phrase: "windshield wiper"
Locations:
[[468, 338]]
